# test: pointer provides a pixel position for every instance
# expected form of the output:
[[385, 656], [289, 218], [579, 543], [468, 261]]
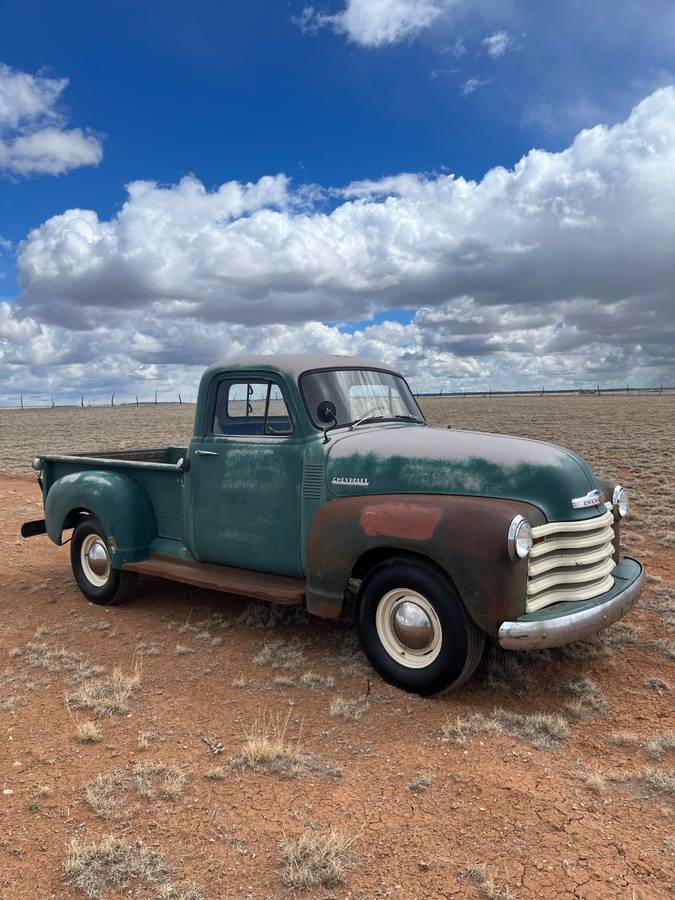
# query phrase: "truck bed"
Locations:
[[155, 469]]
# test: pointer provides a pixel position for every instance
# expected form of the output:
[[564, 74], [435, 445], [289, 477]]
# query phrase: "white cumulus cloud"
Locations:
[[559, 269], [497, 44], [374, 23], [33, 135]]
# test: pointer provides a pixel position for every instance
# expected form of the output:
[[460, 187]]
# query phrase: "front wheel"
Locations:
[[90, 559], [414, 629]]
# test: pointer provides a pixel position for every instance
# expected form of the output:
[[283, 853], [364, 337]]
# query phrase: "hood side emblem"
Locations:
[[358, 482], [592, 498]]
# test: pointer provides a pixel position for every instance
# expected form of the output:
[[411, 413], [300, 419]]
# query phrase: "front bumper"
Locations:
[[563, 623]]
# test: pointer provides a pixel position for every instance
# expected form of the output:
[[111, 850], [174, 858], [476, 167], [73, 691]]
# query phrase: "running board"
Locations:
[[240, 582]]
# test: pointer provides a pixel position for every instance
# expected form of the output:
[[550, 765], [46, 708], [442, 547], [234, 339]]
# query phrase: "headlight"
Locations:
[[519, 538], [621, 500], [37, 464]]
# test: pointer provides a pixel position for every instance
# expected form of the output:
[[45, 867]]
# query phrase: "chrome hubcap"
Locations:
[[412, 626], [409, 628], [95, 560]]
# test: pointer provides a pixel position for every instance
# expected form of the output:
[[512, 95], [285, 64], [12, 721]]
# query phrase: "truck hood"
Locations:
[[413, 459]]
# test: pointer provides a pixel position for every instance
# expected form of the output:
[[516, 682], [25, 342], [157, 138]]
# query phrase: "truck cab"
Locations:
[[316, 480]]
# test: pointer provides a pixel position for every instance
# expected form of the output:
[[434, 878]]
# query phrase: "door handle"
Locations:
[[206, 453]]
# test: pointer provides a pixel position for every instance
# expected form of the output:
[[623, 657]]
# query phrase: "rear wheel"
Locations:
[[414, 629], [90, 558]]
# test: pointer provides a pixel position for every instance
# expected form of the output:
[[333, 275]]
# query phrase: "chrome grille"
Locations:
[[570, 560]]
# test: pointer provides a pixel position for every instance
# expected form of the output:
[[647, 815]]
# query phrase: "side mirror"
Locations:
[[326, 412]]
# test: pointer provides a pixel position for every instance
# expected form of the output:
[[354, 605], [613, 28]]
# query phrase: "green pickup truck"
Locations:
[[316, 480]]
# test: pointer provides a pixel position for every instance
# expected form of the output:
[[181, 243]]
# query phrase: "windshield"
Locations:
[[358, 394]]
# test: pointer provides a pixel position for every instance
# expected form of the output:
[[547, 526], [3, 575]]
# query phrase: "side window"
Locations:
[[250, 408], [278, 418]]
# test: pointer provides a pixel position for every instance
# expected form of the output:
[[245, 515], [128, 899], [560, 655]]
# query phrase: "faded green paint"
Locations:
[[410, 458], [121, 503], [293, 505]]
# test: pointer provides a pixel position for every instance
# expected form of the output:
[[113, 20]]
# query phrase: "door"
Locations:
[[246, 478]]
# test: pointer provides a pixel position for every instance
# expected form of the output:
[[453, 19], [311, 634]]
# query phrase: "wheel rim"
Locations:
[[95, 560], [409, 628]]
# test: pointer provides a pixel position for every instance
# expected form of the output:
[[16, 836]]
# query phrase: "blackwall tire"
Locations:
[[96, 578], [415, 630]]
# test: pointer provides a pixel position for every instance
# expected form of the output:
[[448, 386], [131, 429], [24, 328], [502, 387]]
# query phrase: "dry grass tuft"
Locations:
[[56, 661], [258, 614], [623, 739], [595, 781], [419, 783], [660, 685], [216, 773], [111, 863], [213, 743], [541, 731], [659, 783], [281, 654], [619, 635], [589, 701], [659, 746], [267, 749], [145, 739], [503, 670], [313, 859], [88, 731], [182, 650], [106, 794], [107, 696], [157, 780], [40, 791], [239, 682], [145, 649], [317, 682], [9, 704], [188, 891], [481, 875], [666, 648], [342, 708]]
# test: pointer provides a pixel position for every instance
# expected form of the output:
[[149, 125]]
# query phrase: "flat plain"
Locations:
[[190, 745]]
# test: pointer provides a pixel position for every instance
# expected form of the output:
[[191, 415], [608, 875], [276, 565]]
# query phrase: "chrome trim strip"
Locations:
[[558, 630], [592, 498], [115, 463]]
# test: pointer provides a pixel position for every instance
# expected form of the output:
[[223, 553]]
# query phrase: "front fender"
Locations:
[[121, 504], [464, 536]]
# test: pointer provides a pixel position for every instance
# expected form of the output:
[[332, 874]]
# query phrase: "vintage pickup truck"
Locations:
[[316, 480]]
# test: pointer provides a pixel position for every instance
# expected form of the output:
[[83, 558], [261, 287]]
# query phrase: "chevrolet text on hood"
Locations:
[[316, 480]]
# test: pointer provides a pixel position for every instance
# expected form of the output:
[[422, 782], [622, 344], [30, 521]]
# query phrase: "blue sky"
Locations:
[[340, 98]]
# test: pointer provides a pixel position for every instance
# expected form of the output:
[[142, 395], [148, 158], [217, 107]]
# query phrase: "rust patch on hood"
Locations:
[[410, 521]]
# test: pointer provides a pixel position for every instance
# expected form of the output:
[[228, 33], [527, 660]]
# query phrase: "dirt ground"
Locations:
[[427, 797]]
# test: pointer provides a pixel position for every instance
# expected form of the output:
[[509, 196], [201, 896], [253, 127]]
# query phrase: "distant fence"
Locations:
[[115, 400], [550, 392], [111, 400]]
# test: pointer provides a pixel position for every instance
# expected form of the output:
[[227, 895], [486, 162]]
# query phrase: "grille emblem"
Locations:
[[592, 498]]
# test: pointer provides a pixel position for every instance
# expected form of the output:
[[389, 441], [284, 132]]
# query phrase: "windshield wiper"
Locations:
[[409, 419], [369, 417], [373, 418]]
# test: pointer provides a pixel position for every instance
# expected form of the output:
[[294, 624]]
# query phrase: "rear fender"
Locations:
[[464, 536], [122, 506]]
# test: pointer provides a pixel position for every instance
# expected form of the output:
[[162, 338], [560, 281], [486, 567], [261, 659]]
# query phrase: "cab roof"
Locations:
[[295, 364]]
